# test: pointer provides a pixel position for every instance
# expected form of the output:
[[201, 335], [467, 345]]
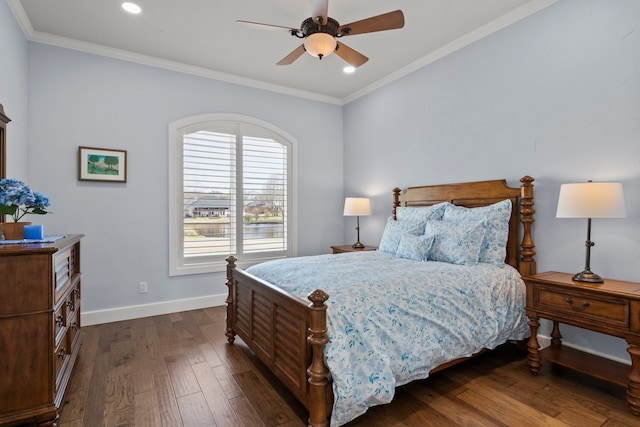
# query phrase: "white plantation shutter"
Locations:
[[233, 196], [265, 190], [209, 175]]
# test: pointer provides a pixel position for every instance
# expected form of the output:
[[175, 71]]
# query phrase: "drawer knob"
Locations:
[[59, 321], [75, 326], [70, 305], [61, 353], [581, 307]]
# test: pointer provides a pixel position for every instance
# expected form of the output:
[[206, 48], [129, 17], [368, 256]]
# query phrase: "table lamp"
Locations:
[[590, 200], [357, 206]]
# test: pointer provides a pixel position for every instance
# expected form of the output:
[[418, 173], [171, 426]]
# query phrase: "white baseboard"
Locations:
[[97, 317]]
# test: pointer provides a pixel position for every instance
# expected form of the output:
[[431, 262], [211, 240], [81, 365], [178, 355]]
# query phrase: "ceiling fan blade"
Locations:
[[319, 8], [386, 21], [353, 57], [297, 53], [260, 26]]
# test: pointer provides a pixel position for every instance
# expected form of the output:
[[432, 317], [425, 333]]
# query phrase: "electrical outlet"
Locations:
[[143, 287]]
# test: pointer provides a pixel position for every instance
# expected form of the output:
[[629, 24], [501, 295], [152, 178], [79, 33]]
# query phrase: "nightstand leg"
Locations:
[[534, 347], [556, 338], [633, 389]]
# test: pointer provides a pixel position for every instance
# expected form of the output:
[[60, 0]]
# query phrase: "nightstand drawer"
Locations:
[[582, 306]]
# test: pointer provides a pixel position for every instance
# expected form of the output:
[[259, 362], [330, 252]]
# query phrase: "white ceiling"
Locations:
[[201, 37]]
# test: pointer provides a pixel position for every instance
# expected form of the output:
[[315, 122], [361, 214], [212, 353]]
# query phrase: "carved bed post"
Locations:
[[318, 371], [229, 332], [396, 200], [527, 254]]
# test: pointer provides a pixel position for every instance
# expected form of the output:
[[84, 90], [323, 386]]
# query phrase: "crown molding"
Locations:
[[510, 18]]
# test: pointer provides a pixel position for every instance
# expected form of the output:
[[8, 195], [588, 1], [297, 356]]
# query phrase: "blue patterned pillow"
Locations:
[[393, 232], [496, 216], [455, 243], [414, 247], [421, 213]]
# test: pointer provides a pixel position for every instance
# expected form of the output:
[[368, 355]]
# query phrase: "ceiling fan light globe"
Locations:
[[320, 44]]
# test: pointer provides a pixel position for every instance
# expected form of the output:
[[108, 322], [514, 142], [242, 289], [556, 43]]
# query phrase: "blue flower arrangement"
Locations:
[[18, 200]]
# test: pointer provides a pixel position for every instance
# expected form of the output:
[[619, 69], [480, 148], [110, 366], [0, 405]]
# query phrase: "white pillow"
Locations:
[[414, 247], [496, 217], [455, 243], [393, 232], [421, 213]]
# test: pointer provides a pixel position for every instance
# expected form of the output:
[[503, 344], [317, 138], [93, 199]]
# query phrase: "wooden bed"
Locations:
[[288, 334]]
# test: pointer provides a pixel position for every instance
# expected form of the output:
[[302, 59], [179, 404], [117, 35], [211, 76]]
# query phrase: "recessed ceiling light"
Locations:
[[131, 7], [349, 69]]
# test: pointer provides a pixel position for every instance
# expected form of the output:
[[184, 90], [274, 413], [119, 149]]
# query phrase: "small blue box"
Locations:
[[33, 232]]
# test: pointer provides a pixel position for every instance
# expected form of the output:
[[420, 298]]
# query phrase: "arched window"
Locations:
[[231, 192]]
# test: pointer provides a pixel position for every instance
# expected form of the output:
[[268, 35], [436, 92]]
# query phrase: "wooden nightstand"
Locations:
[[348, 248], [612, 308]]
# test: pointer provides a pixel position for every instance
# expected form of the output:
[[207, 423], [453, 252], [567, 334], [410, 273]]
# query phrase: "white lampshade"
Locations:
[[357, 206], [320, 44], [591, 200]]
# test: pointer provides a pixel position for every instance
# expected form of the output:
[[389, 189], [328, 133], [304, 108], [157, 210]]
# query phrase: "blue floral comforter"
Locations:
[[391, 320]]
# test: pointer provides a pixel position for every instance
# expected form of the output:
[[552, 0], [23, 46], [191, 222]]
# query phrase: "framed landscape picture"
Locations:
[[102, 164]]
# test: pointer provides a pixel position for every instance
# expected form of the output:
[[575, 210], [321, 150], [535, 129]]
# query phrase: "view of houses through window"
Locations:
[[235, 194]]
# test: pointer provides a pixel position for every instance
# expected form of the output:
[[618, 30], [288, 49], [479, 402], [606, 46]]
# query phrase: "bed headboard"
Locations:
[[520, 253]]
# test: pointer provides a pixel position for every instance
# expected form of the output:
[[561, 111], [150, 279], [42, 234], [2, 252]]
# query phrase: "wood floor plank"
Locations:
[[182, 377], [195, 411], [75, 402], [221, 410], [226, 381], [169, 412], [119, 399], [246, 412], [96, 395], [156, 360], [232, 356], [200, 317], [210, 355], [439, 391], [264, 399], [147, 410], [175, 317], [506, 409], [142, 367], [462, 415]]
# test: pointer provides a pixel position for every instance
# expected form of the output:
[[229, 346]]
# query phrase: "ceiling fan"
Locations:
[[321, 33]]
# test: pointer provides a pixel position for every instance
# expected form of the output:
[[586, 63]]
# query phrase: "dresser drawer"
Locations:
[[73, 329], [581, 306], [59, 324], [60, 360], [25, 283]]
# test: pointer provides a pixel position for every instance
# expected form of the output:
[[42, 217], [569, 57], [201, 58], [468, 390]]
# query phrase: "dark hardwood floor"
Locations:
[[178, 370]]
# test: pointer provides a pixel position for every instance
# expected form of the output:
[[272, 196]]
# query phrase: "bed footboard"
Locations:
[[287, 334]]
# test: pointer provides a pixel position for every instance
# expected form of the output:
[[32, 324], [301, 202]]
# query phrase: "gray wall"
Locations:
[[79, 99], [14, 91], [555, 96]]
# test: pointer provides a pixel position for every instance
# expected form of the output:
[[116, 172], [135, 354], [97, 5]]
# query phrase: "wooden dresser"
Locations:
[[39, 328]]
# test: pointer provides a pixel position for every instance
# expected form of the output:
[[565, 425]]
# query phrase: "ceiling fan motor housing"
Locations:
[[310, 26]]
